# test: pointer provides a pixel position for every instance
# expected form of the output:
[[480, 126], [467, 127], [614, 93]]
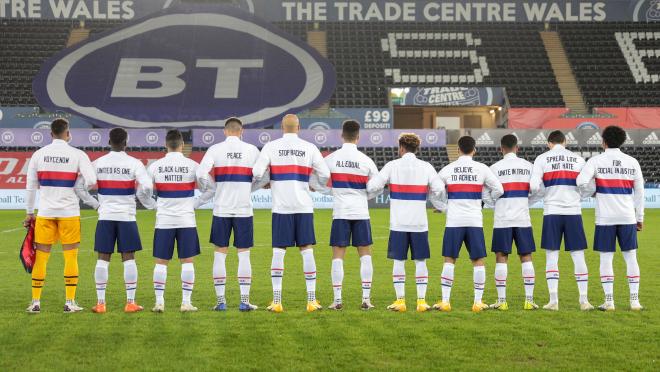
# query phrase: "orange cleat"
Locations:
[[99, 309], [132, 307]]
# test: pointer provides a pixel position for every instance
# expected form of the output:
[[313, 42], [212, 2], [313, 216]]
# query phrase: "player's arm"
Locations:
[[262, 164], [373, 172], [207, 186], [320, 168], [87, 171], [376, 185], [145, 187], [486, 196], [536, 181], [493, 185], [638, 196], [586, 180], [315, 183], [205, 168], [82, 192], [31, 187], [436, 189]]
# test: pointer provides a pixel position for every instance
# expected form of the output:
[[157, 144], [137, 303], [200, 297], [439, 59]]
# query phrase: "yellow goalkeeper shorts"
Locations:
[[50, 230]]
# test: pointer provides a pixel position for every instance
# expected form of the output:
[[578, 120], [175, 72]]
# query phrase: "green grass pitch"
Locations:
[[350, 339]]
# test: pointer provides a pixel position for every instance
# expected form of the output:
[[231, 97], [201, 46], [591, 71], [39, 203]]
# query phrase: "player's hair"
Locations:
[[410, 142], [556, 137], [509, 141], [466, 145], [59, 126], [614, 136], [233, 124], [174, 139], [118, 138], [350, 130]]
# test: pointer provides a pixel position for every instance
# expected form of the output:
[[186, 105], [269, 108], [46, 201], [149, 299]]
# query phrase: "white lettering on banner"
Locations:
[[635, 57], [229, 74], [7, 165]]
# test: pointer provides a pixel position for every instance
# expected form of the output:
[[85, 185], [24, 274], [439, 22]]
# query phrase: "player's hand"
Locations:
[[28, 220], [640, 226], [437, 211], [266, 186]]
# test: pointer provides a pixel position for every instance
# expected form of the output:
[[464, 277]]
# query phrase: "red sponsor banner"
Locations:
[[551, 118], [14, 165]]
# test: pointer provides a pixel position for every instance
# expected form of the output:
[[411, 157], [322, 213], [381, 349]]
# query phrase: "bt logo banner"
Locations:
[[186, 66]]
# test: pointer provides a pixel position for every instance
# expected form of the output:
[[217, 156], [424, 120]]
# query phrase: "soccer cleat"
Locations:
[[158, 308], [502, 306], [275, 308], [34, 308], [585, 306], [398, 306], [187, 308], [72, 307], [366, 305], [607, 306], [530, 305], [478, 307], [636, 307], [552, 306], [442, 306], [243, 307], [422, 306], [132, 307], [220, 307], [313, 306], [99, 309], [336, 306]]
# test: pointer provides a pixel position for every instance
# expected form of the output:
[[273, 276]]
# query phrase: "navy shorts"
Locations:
[[293, 230], [187, 243], [606, 237], [568, 226], [503, 239], [124, 233], [473, 237], [400, 241], [243, 228], [350, 232]]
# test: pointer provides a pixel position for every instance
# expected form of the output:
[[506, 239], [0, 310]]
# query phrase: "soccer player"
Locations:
[[512, 221], [53, 170], [467, 181], [121, 178], [557, 170], [175, 178], [350, 171], [291, 161], [231, 164], [619, 211], [410, 181]]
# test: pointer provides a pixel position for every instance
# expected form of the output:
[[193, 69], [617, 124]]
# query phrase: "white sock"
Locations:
[[160, 277], [399, 279], [309, 268], [479, 278], [187, 282], [277, 273], [501, 272], [337, 278], [130, 280], [101, 278], [581, 275], [219, 276], [632, 273], [607, 275], [552, 274], [421, 278], [447, 281], [244, 275], [366, 274], [529, 278]]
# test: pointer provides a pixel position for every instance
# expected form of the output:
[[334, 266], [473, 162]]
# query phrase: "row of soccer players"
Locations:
[[291, 167]]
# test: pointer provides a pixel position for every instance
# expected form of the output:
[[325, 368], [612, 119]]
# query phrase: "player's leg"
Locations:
[[129, 242], [420, 252], [104, 244], [476, 246], [451, 246], [397, 251], [220, 233], [305, 240], [362, 239], [283, 236], [627, 235], [69, 232], [524, 239], [576, 242], [45, 234], [243, 241], [502, 243], [163, 250], [605, 245], [551, 242], [340, 235], [187, 242]]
